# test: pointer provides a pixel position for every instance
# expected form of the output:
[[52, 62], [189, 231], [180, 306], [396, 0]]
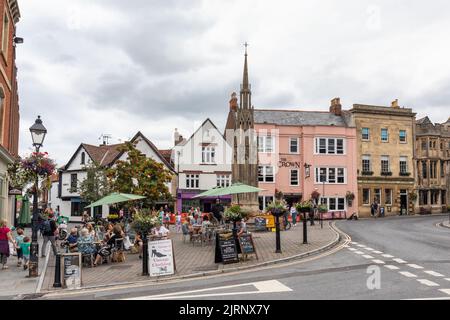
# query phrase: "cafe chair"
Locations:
[[196, 238], [88, 259]]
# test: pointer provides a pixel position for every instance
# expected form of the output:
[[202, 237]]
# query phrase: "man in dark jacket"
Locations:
[[48, 231], [217, 211]]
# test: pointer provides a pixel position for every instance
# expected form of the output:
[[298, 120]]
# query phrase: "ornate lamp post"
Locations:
[[305, 228], [38, 132]]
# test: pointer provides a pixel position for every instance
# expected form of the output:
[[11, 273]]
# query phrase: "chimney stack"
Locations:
[[233, 102], [177, 137], [394, 104], [336, 106]]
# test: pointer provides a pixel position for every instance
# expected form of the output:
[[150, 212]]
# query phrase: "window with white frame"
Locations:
[[385, 167], [265, 144], [208, 154], [366, 196], [366, 165], [365, 134], [384, 135], [264, 202], [293, 145], [294, 177], [334, 203], [331, 175], [377, 195], [192, 181], [403, 165], [388, 196], [223, 180], [5, 35], [265, 174], [330, 146], [402, 136]]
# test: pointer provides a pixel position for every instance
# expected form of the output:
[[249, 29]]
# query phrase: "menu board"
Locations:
[[162, 262], [246, 243], [71, 265], [226, 250], [260, 224]]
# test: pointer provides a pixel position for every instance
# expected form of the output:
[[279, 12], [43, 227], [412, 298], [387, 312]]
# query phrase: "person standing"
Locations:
[[374, 209], [294, 215], [5, 238], [48, 231]]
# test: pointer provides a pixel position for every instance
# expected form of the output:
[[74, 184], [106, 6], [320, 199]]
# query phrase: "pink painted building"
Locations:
[[303, 151]]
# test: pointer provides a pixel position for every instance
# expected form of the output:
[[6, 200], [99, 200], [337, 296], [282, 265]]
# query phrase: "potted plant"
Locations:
[[304, 206], [277, 208], [350, 196]]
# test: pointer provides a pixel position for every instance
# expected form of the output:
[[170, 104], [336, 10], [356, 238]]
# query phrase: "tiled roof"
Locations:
[[299, 118], [167, 154], [104, 154]]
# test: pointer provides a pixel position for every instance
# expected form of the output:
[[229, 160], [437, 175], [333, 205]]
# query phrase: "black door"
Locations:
[[403, 204]]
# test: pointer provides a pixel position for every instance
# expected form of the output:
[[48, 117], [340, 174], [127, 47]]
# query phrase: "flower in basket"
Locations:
[[304, 206], [143, 224], [323, 208], [235, 213], [277, 207], [113, 216], [350, 196], [39, 164]]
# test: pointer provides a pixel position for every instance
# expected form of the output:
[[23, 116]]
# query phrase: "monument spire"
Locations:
[[245, 87]]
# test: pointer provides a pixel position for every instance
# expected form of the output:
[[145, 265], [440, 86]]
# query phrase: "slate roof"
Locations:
[[299, 118], [104, 154]]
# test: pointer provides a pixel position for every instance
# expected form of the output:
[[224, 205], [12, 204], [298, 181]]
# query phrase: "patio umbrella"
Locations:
[[235, 188], [208, 193], [115, 198], [24, 216]]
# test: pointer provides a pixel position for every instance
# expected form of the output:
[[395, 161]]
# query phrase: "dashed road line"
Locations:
[[408, 274], [428, 282], [352, 249], [387, 255], [414, 266], [361, 246], [378, 261], [391, 267], [434, 274], [369, 249], [399, 260], [446, 291], [353, 242], [378, 252], [359, 252], [448, 279], [367, 256]]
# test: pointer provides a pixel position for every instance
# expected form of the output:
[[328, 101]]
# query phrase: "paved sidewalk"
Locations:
[[446, 224], [196, 260], [14, 281]]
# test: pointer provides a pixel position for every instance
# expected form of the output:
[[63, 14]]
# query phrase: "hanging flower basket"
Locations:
[[304, 206], [350, 196], [235, 213], [39, 164], [143, 224], [277, 208], [323, 208]]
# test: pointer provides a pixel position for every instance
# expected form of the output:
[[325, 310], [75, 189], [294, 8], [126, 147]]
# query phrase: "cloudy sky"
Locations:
[[92, 67]]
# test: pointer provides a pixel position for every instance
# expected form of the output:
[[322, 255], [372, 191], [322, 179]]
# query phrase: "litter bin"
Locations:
[[382, 211]]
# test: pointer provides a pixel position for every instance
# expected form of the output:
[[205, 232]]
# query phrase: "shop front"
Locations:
[[186, 201]]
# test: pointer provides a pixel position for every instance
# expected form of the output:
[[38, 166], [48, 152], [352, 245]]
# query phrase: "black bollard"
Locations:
[[145, 255], [57, 282], [277, 237], [321, 220], [305, 230]]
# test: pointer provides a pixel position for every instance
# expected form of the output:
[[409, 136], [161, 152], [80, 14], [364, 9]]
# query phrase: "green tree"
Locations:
[[96, 184], [140, 175]]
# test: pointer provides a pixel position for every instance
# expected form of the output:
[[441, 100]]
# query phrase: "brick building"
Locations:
[[9, 102], [433, 165]]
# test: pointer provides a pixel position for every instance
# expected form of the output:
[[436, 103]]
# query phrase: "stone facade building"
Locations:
[[385, 151], [433, 166]]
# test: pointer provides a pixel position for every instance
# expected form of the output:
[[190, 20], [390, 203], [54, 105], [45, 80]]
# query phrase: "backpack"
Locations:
[[46, 227]]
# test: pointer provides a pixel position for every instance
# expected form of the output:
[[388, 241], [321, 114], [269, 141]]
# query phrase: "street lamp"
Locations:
[[38, 133], [305, 228]]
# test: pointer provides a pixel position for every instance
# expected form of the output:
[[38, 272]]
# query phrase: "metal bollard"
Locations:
[[305, 230], [57, 281]]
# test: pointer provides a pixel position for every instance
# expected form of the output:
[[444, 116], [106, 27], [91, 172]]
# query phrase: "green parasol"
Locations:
[[235, 188], [115, 198]]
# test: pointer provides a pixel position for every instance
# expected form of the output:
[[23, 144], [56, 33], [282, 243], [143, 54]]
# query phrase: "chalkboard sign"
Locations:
[[162, 262], [71, 266], [260, 224], [226, 250], [246, 243]]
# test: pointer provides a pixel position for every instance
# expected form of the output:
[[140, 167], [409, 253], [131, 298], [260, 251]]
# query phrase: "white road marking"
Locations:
[[359, 252], [367, 256], [353, 242], [387, 256], [407, 274], [414, 266], [399, 260], [441, 298], [378, 261], [261, 287], [352, 249], [391, 267], [361, 245], [369, 249], [448, 279], [378, 252], [428, 282], [434, 274], [447, 291]]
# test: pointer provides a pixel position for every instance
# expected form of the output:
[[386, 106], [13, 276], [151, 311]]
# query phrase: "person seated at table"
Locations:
[[85, 242], [106, 249], [198, 219], [109, 231], [72, 240], [205, 223], [160, 231], [242, 228], [138, 244], [91, 230]]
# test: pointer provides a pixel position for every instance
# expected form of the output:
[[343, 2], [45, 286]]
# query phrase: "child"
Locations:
[[166, 220], [19, 240], [25, 248]]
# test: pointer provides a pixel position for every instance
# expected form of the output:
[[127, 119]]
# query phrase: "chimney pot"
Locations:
[[395, 104], [336, 106]]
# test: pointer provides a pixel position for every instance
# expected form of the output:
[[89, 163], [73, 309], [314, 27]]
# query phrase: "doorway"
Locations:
[[403, 202]]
